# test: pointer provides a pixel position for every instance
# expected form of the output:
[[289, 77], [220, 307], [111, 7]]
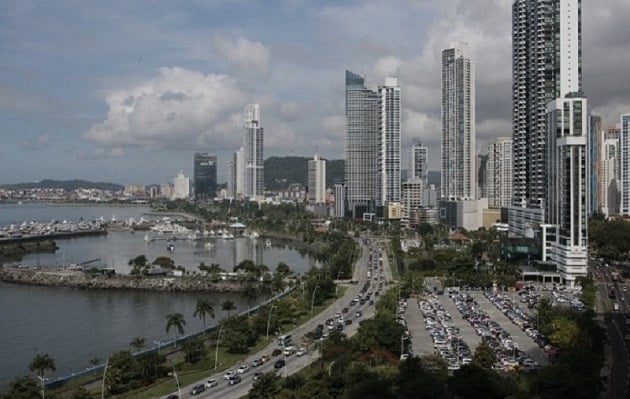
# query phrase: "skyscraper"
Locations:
[[624, 145], [362, 146], [596, 137], [499, 173], [568, 184], [458, 125], [389, 131], [205, 176], [417, 162], [546, 64], [181, 186], [317, 180], [253, 145], [610, 174]]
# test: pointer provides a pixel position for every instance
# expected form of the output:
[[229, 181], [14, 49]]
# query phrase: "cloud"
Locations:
[[243, 54], [41, 141], [178, 109], [102, 153]]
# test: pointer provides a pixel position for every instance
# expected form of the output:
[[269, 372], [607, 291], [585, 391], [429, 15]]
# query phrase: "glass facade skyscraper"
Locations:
[[205, 176]]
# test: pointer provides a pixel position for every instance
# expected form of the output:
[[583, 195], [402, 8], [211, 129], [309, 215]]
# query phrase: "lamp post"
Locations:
[[179, 389], [216, 351], [269, 320], [313, 298], [103, 384], [159, 345], [43, 380]]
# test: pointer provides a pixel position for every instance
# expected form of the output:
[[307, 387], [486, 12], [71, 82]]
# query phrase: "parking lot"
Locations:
[[454, 324]]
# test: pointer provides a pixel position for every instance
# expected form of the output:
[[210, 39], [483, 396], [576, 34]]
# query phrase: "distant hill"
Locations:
[[282, 171], [64, 184]]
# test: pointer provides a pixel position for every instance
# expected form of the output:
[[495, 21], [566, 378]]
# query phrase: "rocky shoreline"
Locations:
[[63, 278]]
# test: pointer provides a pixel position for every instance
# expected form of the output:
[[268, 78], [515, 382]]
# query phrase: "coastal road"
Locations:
[[294, 363]]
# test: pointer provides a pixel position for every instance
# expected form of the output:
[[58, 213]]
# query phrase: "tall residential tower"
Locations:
[[458, 125], [253, 146]]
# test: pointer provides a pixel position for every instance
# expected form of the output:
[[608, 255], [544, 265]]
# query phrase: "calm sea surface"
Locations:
[[76, 326]]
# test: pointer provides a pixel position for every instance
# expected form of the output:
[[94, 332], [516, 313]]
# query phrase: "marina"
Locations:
[[82, 324]]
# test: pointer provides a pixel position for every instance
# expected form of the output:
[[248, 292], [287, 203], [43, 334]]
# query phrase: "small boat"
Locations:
[[268, 243], [208, 245], [170, 248]]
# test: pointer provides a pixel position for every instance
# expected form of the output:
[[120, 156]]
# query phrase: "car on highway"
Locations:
[[228, 374], [289, 350], [243, 368], [197, 389], [257, 362], [173, 396], [257, 375], [234, 380], [211, 383], [279, 364], [301, 352], [358, 314], [265, 358], [276, 352], [348, 322]]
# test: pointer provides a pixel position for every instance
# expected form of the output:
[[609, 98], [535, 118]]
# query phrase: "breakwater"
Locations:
[[81, 280]]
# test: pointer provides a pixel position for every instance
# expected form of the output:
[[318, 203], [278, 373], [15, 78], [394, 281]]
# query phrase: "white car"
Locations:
[[301, 352], [289, 350], [243, 368], [211, 383], [229, 374]]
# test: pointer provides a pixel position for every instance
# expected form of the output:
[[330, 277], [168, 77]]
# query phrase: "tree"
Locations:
[[25, 387], [176, 321], [164, 261], [203, 309], [249, 292], [483, 356], [265, 387], [193, 350], [139, 261], [41, 363], [95, 361], [137, 343], [81, 393], [228, 306]]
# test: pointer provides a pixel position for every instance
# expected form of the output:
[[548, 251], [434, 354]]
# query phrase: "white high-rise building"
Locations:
[[624, 162], [389, 130], [253, 145], [499, 173], [417, 162], [569, 184], [181, 186], [317, 180], [458, 125]]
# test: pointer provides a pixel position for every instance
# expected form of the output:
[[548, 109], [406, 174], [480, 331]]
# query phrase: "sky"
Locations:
[[127, 91]]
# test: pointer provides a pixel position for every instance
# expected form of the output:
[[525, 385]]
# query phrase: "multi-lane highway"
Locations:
[[615, 298], [293, 362]]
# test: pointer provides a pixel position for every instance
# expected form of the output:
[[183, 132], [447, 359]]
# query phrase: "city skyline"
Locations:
[[81, 85]]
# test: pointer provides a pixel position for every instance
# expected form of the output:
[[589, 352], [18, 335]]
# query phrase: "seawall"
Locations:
[[80, 280]]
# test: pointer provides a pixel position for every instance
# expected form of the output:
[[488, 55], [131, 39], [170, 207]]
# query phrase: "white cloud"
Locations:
[[243, 54], [41, 141], [102, 153], [178, 109]]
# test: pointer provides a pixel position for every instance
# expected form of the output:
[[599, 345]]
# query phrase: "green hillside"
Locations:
[[282, 171]]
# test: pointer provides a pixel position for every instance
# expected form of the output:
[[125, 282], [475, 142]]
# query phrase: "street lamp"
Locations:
[[103, 384], [179, 389], [313, 298], [42, 379], [216, 351], [159, 345], [269, 319]]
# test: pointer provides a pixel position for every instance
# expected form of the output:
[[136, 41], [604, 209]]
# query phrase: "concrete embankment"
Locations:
[[81, 280]]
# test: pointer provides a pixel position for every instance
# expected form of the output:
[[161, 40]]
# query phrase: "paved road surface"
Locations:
[[294, 363]]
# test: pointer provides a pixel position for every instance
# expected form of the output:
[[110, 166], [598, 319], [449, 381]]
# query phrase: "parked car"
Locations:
[[211, 383], [197, 389]]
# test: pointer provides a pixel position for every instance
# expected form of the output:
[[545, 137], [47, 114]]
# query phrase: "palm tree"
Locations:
[[228, 306], [203, 309], [40, 364], [177, 321], [137, 343], [95, 361]]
